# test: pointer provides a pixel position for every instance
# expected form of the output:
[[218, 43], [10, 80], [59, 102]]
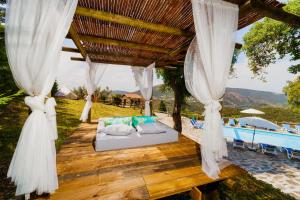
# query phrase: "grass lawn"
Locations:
[[69, 111], [12, 118]]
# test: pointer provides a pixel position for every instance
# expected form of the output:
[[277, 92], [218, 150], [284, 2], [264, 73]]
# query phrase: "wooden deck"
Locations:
[[141, 173]]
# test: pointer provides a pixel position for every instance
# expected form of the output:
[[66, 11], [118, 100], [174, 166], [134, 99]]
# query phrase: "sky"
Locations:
[[119, 77]]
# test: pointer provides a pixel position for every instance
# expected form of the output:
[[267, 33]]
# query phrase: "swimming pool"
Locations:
[[263, 136]]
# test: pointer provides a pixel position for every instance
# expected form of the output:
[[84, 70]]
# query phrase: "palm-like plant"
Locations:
[[80, 92]]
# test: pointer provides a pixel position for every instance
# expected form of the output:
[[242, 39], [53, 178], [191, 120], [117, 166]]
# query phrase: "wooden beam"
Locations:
[[77, 59], [159, 64], [121, 43], [70, 49], [118, 54], [238, 46], [275, 13], [183, 47], [115, 18], [125, 58], [75, 37], [245, 9], [186, 44]]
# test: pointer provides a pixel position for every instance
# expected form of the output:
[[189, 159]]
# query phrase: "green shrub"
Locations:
[[162, 106]]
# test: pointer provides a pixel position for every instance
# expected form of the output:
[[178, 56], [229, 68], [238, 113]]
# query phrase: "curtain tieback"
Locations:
[[37, 103], [51, 115], [213, 106]]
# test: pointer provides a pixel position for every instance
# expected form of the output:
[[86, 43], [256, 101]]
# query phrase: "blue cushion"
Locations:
[[136, 120]]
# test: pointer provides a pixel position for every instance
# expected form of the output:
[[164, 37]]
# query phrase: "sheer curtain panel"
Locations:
[[35, 31], [206, 70], [93, 76], [144, 80]]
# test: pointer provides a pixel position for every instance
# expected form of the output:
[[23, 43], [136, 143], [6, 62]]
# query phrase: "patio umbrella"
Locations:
[[259, 122], [253, 112]]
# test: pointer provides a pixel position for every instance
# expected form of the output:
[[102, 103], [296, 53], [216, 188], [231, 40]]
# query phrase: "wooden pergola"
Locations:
[[140, 32]]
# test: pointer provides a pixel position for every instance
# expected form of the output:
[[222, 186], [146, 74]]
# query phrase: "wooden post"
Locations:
[[89, 120], [89, 116], [210, 191], [196, 194]]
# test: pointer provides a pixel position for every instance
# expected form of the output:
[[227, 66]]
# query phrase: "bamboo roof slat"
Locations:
[[107, 37]]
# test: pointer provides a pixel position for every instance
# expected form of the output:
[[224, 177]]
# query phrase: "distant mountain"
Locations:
[[235, 97]]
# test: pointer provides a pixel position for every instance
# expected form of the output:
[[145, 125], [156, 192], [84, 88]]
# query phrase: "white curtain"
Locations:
[[144, 79], [206, 70], [93, 76], [35, 31]]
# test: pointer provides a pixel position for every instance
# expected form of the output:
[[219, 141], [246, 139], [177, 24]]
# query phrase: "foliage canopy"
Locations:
[[292, 90], [269, 40]]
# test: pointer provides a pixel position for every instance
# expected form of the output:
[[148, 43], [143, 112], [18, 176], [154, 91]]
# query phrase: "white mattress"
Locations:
[[105, 142]]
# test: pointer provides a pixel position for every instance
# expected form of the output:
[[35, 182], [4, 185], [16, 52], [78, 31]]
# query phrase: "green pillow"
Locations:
[[136, 120], [117, 120]]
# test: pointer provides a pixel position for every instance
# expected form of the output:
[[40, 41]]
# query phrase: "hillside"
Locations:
[[237, 97]]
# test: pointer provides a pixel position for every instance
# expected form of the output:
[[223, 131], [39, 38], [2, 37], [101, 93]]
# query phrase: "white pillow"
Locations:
[[100, 126], [118, 129], [150, 128]]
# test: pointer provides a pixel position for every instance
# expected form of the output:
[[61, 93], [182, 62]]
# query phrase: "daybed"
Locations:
[[106, 142]]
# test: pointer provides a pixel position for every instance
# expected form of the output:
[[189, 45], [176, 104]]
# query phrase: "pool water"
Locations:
[[263, 136]]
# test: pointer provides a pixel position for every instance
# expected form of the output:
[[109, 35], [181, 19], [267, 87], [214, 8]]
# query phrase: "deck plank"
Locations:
[[138, 173]]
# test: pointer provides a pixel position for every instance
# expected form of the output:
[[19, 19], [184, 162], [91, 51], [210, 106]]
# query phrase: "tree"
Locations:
[[162, 106], [174, 79], [116, 99], [269, 40], [80, 92], [2, 12], [292, 90], [235, 56], [54, 89], [105, 94], [7, 84], [8, 88], [97, 94]]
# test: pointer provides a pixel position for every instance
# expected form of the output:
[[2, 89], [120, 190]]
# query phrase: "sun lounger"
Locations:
[[196, 124], [242, 124], [292, 153], [287, 127], [238, 144], [297, 128], [231, 122], [268, 149]]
